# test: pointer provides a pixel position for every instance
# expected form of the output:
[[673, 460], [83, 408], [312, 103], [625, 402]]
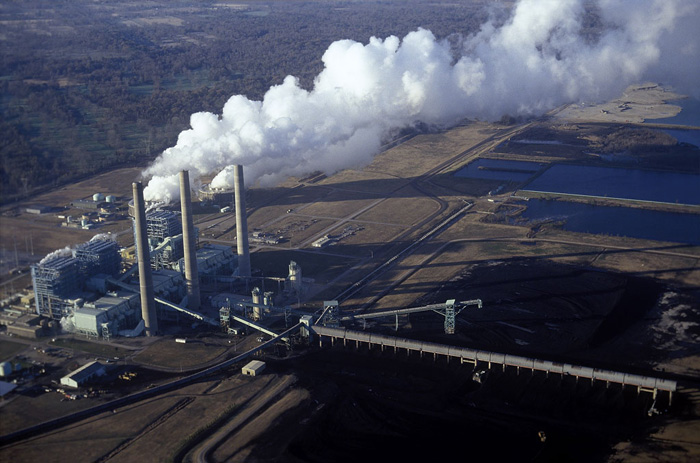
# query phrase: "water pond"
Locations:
[[614, 182], [618, 221]]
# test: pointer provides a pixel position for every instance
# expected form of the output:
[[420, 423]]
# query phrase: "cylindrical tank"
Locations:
[[257, 299], [267, 298], [98, 197], [294, 276], [111, 199], [5, 369]]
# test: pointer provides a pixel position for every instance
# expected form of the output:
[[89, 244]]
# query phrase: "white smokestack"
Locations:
[[533, 61]]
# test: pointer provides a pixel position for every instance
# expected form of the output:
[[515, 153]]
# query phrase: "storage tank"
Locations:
[[294, 277], [111, 199], [267, 298], [257, 309], [5, 369], [98, 197]]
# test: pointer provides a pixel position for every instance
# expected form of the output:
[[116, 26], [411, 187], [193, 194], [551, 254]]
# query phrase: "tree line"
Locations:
[[91, 85]]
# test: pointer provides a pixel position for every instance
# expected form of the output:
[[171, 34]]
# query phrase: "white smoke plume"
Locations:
[[533, 61], [104, 237], [64, 252], [69, 251]]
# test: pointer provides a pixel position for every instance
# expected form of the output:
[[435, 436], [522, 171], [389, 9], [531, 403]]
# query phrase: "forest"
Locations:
[[92, 85]]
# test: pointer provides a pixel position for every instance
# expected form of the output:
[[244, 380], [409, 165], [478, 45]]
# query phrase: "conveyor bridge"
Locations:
[[643, 383]]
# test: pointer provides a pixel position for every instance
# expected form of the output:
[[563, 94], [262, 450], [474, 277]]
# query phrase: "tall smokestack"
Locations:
[[148, 302], [191, 274], [241, 222]]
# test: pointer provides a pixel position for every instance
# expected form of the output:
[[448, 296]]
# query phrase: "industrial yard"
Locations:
[[401, 233]]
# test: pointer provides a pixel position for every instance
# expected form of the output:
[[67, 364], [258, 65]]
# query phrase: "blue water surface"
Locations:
[[614, 182], [618, 221], [524, 169]]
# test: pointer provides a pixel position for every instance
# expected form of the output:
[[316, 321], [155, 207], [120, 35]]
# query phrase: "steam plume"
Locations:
[[533, 61]]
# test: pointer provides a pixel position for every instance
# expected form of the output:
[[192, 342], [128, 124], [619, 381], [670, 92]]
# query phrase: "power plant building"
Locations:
[[213, 259], [219, 196], [55, 281], [60, 280], [161, 224], [98, 256], [114, 312]]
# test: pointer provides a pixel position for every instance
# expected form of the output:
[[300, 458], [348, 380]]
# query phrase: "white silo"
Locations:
[[294, 277], [5, 369]]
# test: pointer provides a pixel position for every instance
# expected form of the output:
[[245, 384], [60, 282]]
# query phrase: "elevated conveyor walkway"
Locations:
[[646, 383]]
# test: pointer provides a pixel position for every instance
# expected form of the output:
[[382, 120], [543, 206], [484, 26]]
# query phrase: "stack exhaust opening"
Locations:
[[148, 302], [190, 247], [241, 223]]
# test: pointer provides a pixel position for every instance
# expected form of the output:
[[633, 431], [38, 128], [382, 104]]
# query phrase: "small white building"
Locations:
[[254, 368], [84, 374]]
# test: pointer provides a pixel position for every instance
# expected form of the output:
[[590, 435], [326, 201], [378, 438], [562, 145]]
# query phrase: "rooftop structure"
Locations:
[[220, 196], [98, 256]]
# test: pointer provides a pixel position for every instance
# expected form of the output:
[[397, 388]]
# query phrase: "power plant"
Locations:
[[84, 289], [178, 276]]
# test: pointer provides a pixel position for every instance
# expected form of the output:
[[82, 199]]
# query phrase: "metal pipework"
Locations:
[[148, 303], [241, 223], [188, 239]]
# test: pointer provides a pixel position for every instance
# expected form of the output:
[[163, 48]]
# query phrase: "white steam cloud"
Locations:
[[532, 62]]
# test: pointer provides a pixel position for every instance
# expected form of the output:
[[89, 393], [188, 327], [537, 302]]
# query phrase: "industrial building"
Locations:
[[219, 196], [114, 312], [55, 281], [253, 368], [213, 259], [98, 256], [161, 224], [79, 288], [60, 280], [84, 374]]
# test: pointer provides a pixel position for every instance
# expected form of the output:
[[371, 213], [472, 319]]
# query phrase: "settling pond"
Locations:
[[603, 182]]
